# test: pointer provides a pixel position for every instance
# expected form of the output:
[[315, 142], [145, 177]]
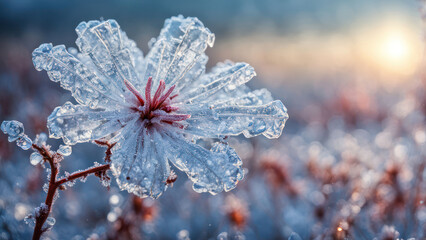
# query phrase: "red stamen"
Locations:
[[157, 106], [175, 117], [148, 95], [166, 95], [158, 93], [134, 91]]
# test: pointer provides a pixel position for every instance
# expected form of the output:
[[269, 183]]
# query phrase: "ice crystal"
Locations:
[[35, 158], [30, 220], [15, 132], [151, 106], [50, 221], [13, 129], [41, 139], [65, 150]]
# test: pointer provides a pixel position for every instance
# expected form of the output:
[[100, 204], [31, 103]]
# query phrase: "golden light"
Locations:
[[395, 48], [339, 229], [392, 47]]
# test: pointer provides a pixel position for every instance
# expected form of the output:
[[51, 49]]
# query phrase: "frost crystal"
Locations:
[[13, 129], [151, 106], [65, 150], [41, 139], [15, 132], [35, 158]]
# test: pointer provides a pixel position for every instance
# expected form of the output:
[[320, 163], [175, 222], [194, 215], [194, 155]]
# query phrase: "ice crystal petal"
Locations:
[[230, 119], [114, 55], [226, 78], [139, 163], [178, 50], [211, 171], [86, 86], [79, 123]]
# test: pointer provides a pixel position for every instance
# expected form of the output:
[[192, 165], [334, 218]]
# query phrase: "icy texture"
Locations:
[[35, 158], [15, 132], [150, 106], [13, 129], [50, 221], [65, 150], [41, 139]]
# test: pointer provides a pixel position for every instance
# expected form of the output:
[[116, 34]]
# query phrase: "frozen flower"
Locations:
[[153, 106]]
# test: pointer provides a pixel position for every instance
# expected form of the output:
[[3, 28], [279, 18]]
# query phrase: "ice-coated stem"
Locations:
[[42, 215]]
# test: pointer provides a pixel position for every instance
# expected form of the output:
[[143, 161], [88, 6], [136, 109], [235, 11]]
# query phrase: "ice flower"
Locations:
[[156, 108]]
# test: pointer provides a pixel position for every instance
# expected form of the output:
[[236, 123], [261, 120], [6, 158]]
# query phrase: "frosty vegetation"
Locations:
[[149, 111], [114, 85]]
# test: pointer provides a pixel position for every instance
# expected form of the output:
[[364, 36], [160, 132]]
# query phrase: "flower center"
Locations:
[[157, 108]]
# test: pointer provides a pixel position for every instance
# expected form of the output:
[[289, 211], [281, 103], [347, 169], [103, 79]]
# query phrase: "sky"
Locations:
[[290, 41]]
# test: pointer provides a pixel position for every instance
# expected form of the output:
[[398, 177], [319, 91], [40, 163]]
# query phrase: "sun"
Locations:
[[395, 48]]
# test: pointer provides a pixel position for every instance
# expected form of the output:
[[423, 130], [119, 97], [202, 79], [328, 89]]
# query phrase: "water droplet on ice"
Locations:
[[35, 158], [65, 150], [50, 221]]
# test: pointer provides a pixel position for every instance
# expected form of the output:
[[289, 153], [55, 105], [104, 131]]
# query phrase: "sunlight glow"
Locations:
[[396, 48]]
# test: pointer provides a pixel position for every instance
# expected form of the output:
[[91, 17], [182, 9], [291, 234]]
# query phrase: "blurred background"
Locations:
[[351, 161]]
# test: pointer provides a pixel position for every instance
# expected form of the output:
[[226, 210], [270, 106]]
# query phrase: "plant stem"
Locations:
[[54, 184]]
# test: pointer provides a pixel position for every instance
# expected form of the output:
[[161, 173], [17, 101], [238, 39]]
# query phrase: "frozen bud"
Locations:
[[65, 150], [50, 221], [24, 142], [13, 129], [41, 139], [35, 158], [30, 220]]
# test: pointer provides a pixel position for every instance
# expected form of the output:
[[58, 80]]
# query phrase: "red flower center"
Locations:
[[157, 108]]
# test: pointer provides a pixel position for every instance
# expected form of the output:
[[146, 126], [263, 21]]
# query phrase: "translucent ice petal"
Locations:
[[193, 74], [139, 163], [242, 97], [230, 119], [226, 78], [211, 171], [86, 87], [79, 123], [115, 56], [179, 48]]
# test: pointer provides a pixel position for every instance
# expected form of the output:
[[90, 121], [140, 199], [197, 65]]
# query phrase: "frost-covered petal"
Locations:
[[179, 48], [115, 56], [79, 123], [139, 163], [231, 119], [211, 171], [224, 78], [86, 86]]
